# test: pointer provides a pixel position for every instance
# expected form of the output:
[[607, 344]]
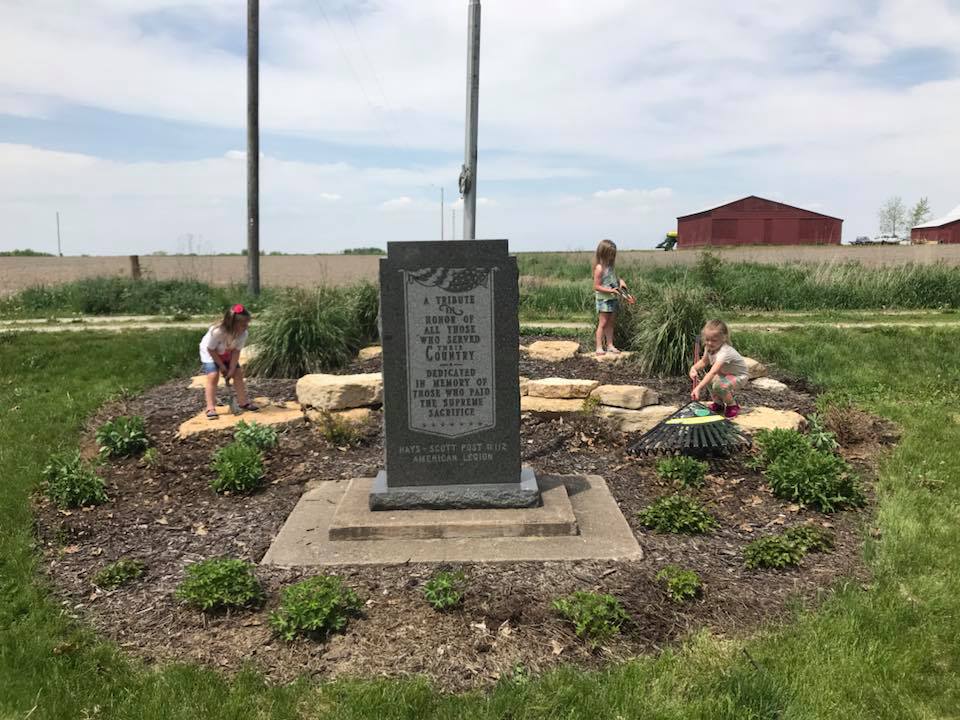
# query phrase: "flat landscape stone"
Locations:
[[199, 382], [561, 388], [304, 540], [340, 392], [640, 420], [755, 369], [370, 352], [553, 350], [524, 381], [769, 384], [765, 418], [611, 358], [269, 414], [631, 397], [354, 416], [528, 403]]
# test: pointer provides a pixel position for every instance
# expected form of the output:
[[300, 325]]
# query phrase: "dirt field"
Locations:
[[310, 270]]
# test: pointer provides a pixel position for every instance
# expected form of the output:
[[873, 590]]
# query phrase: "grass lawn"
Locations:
[[890, 649]]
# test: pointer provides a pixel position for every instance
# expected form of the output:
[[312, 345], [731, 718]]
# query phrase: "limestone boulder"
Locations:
[[354, 416], [553, 406], [610, 358], [631, 397], [248, 353], [561, 388], [755, 369], [269, 414], [524, 383], [631, 421], [340, 392], [369, 353], [769, 384], [765, 418], [553, 350]]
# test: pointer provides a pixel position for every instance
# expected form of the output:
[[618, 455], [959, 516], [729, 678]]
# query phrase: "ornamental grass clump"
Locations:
[[238, 468], [72, 483], [123, 436], [315, 608], [683, 471], [220, 584], [681, 585], [677, 514], [664, 336], [595, 617]]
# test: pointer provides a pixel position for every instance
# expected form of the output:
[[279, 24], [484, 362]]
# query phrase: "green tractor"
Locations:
[[669, 242]]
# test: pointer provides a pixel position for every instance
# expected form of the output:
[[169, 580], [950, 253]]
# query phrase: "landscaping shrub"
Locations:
[[220, 584], [820, 438], [677, 514], [820, 480], [315, 607], [445, 589], [774, 551], [772, 444], [595, 617], [238, 467], [337, 431], [313, 331], [682, 470], [810, 538], [261, 437], [122, 436], [72, 483], [681, 585], [664, 336], [119, 573]]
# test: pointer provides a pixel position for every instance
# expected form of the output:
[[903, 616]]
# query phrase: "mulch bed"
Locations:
[[166, 516]]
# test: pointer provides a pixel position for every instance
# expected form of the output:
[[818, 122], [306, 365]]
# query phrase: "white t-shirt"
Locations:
[[733, 362], [218, 340]]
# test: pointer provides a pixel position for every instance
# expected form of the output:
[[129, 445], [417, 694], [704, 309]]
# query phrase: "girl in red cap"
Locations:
[[220, 354]]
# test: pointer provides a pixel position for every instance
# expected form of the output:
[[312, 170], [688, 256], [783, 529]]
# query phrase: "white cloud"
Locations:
[[400, 203]]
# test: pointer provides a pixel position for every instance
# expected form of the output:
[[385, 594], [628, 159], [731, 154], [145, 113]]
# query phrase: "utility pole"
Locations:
[[253, 146], [453, 224], [59, 249], [468, 174], [441, 213]]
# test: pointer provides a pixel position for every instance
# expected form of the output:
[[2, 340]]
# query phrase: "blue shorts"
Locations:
[[611, 305], [209, 367]]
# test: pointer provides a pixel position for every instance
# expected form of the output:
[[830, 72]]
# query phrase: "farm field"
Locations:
[[879, 646]]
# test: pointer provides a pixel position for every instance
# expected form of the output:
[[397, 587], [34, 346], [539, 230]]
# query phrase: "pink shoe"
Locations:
[[717, 408], [732, 412]]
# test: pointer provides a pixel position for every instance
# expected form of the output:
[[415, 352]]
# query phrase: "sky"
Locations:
[[598, 119]]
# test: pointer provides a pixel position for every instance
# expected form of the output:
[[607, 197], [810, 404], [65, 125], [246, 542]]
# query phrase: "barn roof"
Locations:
[[747, 197], [950, 217]]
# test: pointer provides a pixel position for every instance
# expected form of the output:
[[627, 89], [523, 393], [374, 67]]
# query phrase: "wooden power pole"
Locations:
[[253, 146]]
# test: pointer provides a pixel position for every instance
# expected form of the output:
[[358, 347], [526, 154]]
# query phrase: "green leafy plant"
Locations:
[[261, 437], [445, 590], [771, 444], [338, 431], [220, 584], [682, 470], [677, 514], [810, 538], [773, 551], [151, 457], [820, 480], [119, 573], [595, 617], [122, 437], [820, 438], [72, 483], [681, 585], [315, 607], [238, 468]]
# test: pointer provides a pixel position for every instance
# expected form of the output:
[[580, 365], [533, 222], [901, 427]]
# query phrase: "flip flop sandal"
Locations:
[[212, 415]]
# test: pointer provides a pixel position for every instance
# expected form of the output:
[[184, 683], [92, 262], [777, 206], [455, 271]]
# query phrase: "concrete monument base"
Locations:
[[475, 496]]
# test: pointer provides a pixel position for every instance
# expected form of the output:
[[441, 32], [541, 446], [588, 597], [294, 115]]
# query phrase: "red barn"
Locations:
[[944, 230], [756, 221]]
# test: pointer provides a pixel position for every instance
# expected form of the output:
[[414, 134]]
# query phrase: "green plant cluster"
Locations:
[[677, 514], [683, 471], [260, 437], [315, 607], [238, 468], [820, 437], [788, 548], [314, 331], [123, 436], [119, 573], [595, 617], [338, 431], [72, 483], [220, 584], [799, 472], [445, 589], [681, 585]]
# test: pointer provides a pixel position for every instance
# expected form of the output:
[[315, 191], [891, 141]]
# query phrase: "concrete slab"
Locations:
[[604, 534], [269, 414], [354, 520]]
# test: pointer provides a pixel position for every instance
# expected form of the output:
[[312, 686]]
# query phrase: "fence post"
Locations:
[[135, 267]]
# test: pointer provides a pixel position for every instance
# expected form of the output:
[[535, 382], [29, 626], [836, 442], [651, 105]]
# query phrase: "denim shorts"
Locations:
[[209, 367], [611, 305]]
